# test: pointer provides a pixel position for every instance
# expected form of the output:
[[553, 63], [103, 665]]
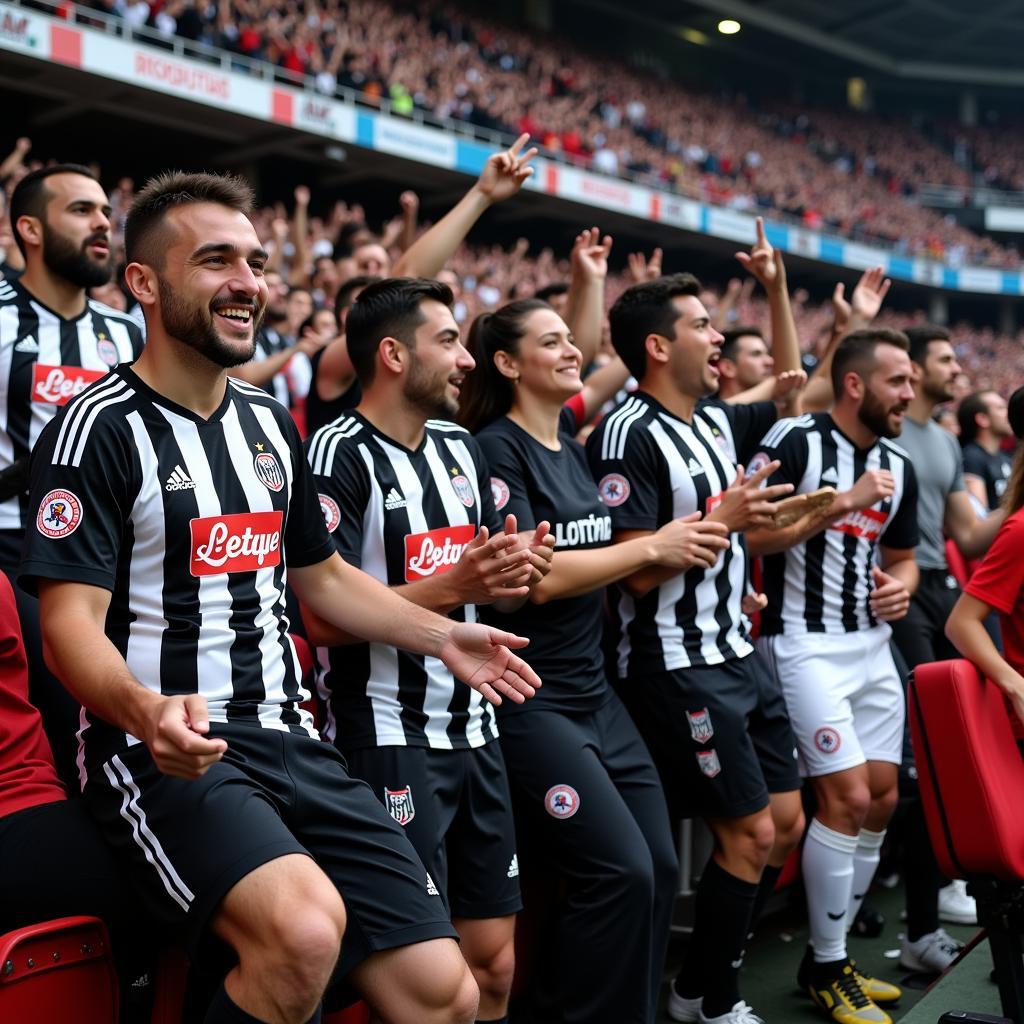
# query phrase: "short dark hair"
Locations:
[[967, 414], [31, 195], [921, 337], [643, 309], [733, 335], [1015, 413], [856, 352], [549, 291], [144, 240], [388, 308]]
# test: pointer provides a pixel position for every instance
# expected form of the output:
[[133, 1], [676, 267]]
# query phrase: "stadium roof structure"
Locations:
[[949, 41]]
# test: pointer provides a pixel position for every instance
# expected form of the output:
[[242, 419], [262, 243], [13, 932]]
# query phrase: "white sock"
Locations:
[[865, 862], [828, 879]]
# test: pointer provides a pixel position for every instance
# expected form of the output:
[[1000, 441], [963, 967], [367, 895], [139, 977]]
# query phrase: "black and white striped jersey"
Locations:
[[651, 467], [45, 360], [401, 516], [269, 343], [188, 522], [823, 584]]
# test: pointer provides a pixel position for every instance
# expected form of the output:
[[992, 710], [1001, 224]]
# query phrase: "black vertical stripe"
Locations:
[[815, 551], [851, 545]]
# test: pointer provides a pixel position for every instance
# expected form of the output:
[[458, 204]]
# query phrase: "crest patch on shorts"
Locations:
[[700, 725], [561, 801], [709, 763], [827, 740], [399, 804]]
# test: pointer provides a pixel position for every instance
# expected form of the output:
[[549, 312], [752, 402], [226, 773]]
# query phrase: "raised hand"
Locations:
[[872, 486], [840, 308], [890, 599], [482, 658], [589, 257], [745, 504], [301, 195], [690, 541], [504, 173], [409, 203], [176, 737], [787, 382], [868, 295], [643, 269], [763, 262]]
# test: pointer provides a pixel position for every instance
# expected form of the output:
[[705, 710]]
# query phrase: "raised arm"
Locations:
[[502, 177], [585, 312]]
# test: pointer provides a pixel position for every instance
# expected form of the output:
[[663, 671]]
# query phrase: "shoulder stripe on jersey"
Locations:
[[613, 444], [109, 313], [249, 389], [447, 426], [779, 430], [895, 448], [325, 443], [82, 413]]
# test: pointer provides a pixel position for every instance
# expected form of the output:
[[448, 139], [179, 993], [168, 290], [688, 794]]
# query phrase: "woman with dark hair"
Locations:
[[998, 585], [583, 780]]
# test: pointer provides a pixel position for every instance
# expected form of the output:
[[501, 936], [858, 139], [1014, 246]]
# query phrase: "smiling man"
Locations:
[[711, 714], [184, 495], [53, 342], [406, 494]]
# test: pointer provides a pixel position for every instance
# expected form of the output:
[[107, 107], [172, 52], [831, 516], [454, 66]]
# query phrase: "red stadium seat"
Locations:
[[59, 970], [971, 778], [357, 1014]]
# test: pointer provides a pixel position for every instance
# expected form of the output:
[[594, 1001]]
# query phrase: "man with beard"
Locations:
[[944, 510], [825, 629], [169, 498], [54, 341], [406, 494]]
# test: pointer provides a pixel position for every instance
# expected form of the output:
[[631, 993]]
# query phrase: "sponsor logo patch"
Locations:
[[60, 514], [500, 493], [268, 469], [561, 801], [237, 543], [394, 500], [179, 480], [713, 502], [700, 725], [28, 344], [695, 468], [613, 489], [57, 385], [435, 552], [399, 804], [827, 740], [464, 489], [332, 514], [866, 523], [513, 866], [708, 762]]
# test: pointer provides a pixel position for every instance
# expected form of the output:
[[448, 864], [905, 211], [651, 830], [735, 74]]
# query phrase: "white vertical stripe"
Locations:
[[10, 318], [795, 566]]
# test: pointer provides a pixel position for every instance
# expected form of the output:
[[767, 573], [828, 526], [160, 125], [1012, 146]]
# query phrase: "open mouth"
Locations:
[[239, 317], [713, 361]]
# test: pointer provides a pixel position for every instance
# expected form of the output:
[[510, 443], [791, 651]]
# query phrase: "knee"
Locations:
[[307, 946], [883, 806], [849, 806], [789, 830], [751, 844], [456, 993]]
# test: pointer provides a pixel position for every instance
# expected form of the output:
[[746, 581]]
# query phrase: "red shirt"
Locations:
[[27, 775]]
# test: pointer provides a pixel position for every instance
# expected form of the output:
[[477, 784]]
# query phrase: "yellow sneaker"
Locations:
[[839, 993], [875, 989]]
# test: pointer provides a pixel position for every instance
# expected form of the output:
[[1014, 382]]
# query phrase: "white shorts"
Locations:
[[844, 697]]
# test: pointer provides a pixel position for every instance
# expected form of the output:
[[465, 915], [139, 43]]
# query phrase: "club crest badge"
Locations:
[[700, 725], [268, 469], [827, 740], [399, 805], [500, 493], [60, 513], [106, 350], [759, 461], [332, 514], [561, 801], [464, 489], [613, 489], [709, 763]]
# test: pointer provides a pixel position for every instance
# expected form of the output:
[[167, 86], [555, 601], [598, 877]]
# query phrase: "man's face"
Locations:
[[212, 294], [277, 292], [695, 350], [752, 361], [998, 421], [438, 364], [299, 306], [76, 231], [887, 392], [371, 259], [939, 372]]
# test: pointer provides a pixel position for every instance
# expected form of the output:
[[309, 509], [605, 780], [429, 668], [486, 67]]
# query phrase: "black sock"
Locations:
[[223, 1010], [720, 922], [769, 878]]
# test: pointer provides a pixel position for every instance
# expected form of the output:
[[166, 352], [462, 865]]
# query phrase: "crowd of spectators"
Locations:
[[847, 173]]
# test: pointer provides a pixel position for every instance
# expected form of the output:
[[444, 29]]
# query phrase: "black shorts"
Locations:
[[187, 843], [719, 735], [455, 808]]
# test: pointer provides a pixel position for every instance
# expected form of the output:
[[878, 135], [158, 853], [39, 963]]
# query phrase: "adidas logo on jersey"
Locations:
[[28, 344], [695, 468], [431, 888], [179, 480], [830, 476], [394, 500], [513, 867]]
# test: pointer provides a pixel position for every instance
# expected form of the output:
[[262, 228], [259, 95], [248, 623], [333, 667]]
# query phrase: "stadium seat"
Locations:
[[59, 970], [972, 787], [357, 1014]]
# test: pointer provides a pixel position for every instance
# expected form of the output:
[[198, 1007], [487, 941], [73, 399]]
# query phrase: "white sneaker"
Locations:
[[955, 906], [682, 1009], [739, 1014], [930, 954]]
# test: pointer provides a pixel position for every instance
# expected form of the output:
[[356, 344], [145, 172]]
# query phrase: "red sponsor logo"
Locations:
[[713, 502], [239, 543], [57, 385], [865, 522], [435, 552]]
